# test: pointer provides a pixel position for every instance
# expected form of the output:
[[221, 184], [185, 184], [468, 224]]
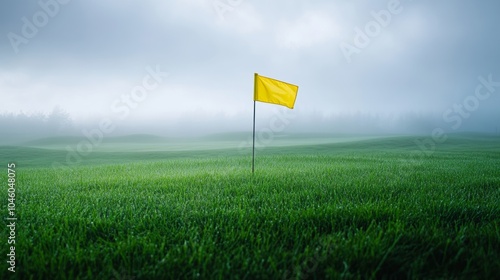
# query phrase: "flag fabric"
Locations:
[[273, 91]]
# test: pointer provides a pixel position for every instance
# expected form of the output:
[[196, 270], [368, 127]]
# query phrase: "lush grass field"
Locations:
[[350, 210]]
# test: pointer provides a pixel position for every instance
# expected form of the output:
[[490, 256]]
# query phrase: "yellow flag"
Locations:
[[273, 91]]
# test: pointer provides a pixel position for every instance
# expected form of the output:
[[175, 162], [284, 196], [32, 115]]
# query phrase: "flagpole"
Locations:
[[253, 146], [253, 143]]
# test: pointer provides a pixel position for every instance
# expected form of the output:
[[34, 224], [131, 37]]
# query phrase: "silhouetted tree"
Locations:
[[20, 127], [58, 121]]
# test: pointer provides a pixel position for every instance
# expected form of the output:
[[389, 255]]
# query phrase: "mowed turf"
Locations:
[[365, 209]]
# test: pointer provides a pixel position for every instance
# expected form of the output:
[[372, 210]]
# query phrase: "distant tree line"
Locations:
[[22, 127]]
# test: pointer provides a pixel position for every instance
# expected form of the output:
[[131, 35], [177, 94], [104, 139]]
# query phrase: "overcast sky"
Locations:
[[84, 56]]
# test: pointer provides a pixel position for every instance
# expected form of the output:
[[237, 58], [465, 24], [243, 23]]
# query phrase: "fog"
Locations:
[[21, 128], [185, 68]]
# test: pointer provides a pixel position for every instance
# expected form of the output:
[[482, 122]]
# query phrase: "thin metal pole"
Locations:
[[253, 145]]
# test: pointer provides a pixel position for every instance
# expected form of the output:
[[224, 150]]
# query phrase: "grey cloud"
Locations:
[[426, 60]]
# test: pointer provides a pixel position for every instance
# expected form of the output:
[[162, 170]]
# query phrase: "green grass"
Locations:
[[351, 210]]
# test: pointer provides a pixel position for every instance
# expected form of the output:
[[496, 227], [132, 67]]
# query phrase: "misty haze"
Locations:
[[222, 139]]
